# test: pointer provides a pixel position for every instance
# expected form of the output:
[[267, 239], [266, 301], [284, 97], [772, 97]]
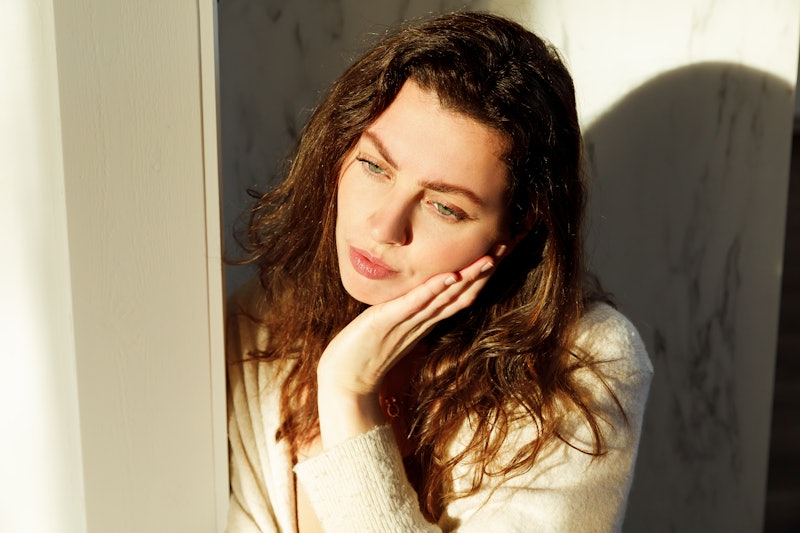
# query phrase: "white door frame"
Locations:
[[113, 391]]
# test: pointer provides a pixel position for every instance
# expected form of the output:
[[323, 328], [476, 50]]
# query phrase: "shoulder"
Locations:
[[609, 339], [254, 381], [617, 374], [248, 299], [244, 330], [247, 340], [567, 488]]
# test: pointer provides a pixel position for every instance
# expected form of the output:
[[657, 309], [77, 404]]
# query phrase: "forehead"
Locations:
[[433, 142], [413, 101]]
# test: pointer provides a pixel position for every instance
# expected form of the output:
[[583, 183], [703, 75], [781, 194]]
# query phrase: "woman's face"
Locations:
[[423, 192]]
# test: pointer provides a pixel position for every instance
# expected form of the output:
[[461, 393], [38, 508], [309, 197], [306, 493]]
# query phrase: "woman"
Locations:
[[420, 352]]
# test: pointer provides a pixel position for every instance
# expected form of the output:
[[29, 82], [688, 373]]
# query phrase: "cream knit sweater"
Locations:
[[360, 485]]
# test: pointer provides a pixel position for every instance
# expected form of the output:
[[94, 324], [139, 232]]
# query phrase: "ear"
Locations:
[[523, 230], [504, 247]]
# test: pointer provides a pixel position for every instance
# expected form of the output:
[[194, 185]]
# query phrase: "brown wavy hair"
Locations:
[[508, 358]]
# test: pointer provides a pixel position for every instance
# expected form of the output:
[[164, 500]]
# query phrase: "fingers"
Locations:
[[412, 315], [470, 280], [379, 337], [460, 294], [443, 295]]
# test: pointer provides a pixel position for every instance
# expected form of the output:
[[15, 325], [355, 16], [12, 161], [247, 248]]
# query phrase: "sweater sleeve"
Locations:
[[251, 508], [568, 489], [360, 485]]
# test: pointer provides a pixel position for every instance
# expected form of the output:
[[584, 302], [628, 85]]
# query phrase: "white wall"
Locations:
[[40, 457], [113, 389]]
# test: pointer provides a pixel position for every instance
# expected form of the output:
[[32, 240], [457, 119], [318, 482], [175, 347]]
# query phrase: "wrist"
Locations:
[[344, 414]]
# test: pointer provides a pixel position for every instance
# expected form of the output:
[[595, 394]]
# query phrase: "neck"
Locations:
[[399, 378]]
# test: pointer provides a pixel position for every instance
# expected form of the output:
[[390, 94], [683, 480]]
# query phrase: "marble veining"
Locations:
[[688, 190]]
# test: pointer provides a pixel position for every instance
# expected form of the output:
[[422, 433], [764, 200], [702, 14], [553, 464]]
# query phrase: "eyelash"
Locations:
[[371, 167], [453, 213]]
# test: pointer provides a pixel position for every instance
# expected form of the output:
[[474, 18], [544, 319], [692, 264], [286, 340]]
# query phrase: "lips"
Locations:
[[369, 266]]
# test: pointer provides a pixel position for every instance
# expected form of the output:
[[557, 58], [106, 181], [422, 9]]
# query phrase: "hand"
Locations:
[[352, 367]]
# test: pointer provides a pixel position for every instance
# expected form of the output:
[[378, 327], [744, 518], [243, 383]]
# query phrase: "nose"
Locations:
[[390, 221]]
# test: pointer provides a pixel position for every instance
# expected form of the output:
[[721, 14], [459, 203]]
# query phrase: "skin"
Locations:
[[422, 201], [423, 192]]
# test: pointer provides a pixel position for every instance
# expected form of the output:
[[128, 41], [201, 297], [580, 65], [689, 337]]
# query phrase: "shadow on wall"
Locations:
[[689, 178]]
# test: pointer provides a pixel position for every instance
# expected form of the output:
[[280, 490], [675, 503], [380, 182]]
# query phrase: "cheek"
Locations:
[[451, 255]]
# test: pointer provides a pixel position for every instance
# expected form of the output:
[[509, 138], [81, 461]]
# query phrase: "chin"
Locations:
[[368, 295]]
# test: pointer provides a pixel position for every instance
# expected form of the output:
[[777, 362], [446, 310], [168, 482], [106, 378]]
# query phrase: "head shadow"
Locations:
[[688, 180]]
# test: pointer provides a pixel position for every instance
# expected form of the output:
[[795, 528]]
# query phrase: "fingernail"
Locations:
[[500, 250], [487, 267], [449, 281]]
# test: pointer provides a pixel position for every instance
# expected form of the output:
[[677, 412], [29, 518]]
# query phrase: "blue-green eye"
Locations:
[[371, 167], [448, 211]]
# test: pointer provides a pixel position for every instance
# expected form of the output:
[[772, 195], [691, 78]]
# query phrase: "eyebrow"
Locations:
[[437, 186], [448, 188], [384, 152]]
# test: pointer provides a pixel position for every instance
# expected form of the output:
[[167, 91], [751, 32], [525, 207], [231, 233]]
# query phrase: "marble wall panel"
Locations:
[[687, 111], [689, 206]]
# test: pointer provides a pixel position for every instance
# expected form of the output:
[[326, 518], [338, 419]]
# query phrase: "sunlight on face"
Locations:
[[423, 192]]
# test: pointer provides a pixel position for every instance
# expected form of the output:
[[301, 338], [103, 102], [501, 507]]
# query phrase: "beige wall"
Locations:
[[113, 391]]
